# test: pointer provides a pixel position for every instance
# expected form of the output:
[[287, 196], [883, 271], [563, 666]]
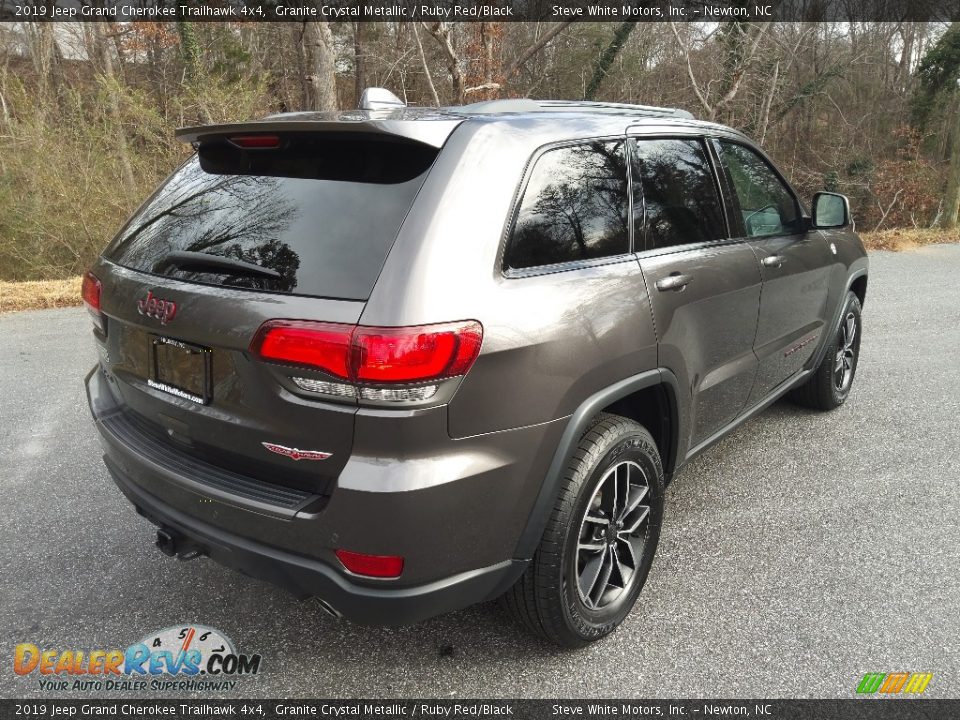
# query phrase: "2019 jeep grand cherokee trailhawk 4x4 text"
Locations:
[[408, 360]]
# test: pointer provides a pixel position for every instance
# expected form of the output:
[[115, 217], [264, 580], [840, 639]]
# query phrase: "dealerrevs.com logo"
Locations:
[[181, 658]]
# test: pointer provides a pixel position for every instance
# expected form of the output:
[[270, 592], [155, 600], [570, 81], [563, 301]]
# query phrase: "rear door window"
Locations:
[[675, 195], [574, 207], [319, 214]]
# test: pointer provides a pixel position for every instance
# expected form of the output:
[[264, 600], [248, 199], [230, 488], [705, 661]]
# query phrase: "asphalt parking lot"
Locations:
[[798, 554]]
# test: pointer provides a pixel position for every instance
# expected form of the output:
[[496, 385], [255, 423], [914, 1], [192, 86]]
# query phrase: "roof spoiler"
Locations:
[[395, 123]]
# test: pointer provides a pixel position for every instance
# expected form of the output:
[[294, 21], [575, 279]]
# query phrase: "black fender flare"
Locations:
[[577, 425], [817, 358]]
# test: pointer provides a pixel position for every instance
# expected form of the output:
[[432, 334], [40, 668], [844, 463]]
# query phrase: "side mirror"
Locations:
[[830, 210]]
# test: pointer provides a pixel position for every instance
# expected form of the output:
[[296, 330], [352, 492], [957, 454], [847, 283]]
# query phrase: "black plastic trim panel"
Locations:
[[142, 443]]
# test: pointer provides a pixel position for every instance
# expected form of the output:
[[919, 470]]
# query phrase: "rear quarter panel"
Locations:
[[550, 340]]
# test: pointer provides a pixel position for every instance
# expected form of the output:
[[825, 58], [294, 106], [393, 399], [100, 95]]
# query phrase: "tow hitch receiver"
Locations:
[[173, 545]]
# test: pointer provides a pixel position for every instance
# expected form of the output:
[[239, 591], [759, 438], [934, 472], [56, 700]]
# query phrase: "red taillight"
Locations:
[[371, 354], [257, 142], [381, 566], [320, 345], [389, 355], [90, 292]]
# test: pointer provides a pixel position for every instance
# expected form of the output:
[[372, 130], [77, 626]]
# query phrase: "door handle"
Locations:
[[773, 261], [677, 281]]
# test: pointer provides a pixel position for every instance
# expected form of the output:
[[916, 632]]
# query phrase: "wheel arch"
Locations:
[[859, 287], [857, 284], [631, 397]]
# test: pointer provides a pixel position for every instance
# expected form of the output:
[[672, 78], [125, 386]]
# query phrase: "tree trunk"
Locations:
[[442, 33], [951, 196], [46, 56], [605, 61], [358, 74], [189, 50], [105, 66], [319, 70], [487, 34], [426, 68]]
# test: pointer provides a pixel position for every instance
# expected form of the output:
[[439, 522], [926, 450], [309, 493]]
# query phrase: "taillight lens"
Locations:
[[390, 355], [321, 345], [381, 566], [373, 355], [90, 292]]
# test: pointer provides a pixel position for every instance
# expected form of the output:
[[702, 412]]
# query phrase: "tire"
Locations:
[[829, 385], [614, 455]]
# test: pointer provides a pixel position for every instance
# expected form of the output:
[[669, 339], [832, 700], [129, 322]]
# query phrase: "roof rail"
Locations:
[[524, 105]]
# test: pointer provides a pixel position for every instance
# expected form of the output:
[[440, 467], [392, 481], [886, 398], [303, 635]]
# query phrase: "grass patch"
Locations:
[[39, 294], [907, 238]]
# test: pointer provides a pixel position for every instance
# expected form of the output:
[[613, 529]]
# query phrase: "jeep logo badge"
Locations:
[[162, 310]]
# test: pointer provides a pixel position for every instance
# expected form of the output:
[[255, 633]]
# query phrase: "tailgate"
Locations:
[[251, 419]]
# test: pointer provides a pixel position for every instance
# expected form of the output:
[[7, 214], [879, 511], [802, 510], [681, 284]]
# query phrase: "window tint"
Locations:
[[319, 215], [767, 206], [574, 207], [675, 188]]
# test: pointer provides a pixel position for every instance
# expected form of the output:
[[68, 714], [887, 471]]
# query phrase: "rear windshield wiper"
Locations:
[[202, 262]]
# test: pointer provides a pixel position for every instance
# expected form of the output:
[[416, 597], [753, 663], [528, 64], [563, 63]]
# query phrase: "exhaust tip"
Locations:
[[166, 543], [329, 609]]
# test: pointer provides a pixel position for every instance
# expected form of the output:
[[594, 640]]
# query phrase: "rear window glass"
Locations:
[[317, 215], [574, 207]]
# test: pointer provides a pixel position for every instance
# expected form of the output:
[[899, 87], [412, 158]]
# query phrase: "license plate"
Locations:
[[180, 368]]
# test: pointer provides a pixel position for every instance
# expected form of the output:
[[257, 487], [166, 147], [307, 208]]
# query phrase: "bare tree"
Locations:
[[104, 58], [318, 71], [46, 55], [535, 47], [443, 34], [426, 67], [602, 66], [359, 80], [740, 53]]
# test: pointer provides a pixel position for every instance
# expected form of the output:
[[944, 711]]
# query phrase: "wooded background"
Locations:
[[87, 111]]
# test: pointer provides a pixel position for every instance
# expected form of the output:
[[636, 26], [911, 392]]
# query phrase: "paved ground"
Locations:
[[798, 554]]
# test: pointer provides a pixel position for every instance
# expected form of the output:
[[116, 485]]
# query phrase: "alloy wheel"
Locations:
[[846, 353], [613, 535]]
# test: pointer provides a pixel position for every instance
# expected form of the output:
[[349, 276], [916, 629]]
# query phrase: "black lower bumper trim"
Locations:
[[306, 577]]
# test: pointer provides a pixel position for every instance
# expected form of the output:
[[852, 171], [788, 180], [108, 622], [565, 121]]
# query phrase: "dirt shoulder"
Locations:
[[39, 294]]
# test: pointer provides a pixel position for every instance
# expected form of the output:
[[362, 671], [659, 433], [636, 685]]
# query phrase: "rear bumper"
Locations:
[[307, 577], [457, 537]]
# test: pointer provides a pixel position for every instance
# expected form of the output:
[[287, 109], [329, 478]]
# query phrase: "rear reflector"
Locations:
[[381, 566], [90, 292], [374, 355], [256, 141]]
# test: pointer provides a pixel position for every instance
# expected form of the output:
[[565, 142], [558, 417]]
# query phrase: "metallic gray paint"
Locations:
[[466, 481]]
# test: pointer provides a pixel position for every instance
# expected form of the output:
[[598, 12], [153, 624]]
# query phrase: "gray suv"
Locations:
[[407, 360]]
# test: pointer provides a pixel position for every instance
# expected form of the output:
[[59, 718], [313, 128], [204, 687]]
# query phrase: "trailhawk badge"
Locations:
[[296, 454]]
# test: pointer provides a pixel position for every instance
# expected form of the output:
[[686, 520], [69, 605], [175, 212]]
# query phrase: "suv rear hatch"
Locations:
[[262, 223]]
